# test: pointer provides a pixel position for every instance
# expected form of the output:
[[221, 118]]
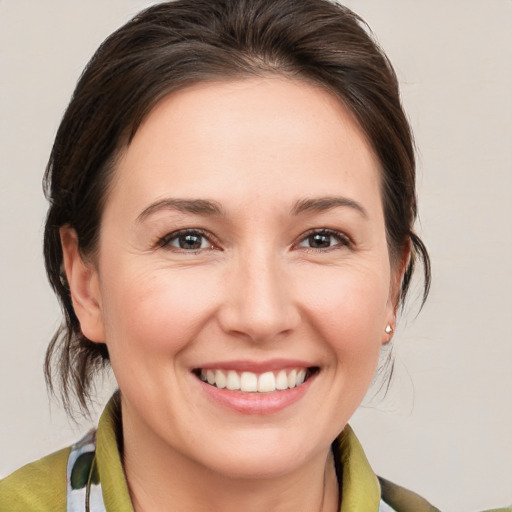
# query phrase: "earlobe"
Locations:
[[398, 269], [82, 278], [387, 334]]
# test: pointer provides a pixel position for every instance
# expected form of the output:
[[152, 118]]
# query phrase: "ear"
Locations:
[[82, 277], [398, 268]]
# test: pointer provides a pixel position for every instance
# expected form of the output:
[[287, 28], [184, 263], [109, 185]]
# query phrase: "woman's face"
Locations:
[[243, 243]]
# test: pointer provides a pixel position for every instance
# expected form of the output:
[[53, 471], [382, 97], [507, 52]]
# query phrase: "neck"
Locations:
[[160, 479]]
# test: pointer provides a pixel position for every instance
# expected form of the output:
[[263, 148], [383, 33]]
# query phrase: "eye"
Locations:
[[189, 240], [324, 239]]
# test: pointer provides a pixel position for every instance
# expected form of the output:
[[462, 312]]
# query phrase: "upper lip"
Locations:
[[244, 365]]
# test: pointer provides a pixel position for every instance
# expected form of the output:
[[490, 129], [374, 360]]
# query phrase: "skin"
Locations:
[[258, 289]]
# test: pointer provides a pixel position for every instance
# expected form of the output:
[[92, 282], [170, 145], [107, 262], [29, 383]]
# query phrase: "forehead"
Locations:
[[266, 137]]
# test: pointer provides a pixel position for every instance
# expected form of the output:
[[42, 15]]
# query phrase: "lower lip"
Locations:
[[257, 403]]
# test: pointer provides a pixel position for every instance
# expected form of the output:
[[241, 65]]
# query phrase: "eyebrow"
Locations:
[[195, 206], [214, 209], [322, 204]]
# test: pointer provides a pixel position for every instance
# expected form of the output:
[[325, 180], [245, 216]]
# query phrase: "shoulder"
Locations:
[[39, 486], [400, 499]]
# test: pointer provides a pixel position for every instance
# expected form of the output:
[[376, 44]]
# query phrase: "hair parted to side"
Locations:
[[176, 44]]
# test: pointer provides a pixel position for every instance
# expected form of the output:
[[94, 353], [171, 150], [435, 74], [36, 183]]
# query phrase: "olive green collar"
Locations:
[[359, 487], [110, 468]]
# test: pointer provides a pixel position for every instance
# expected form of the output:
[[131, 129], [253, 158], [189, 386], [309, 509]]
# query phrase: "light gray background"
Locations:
[[445, 430]]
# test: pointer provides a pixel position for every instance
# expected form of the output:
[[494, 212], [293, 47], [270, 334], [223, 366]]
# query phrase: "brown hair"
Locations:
[[175, 44]]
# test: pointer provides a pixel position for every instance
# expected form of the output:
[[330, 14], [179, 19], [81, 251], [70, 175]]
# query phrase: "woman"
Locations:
[[230, 227]]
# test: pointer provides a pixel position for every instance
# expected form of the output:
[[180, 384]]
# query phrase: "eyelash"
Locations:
[[165, 242], [343, 240]]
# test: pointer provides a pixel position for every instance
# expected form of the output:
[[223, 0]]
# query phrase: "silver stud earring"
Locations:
[[388, 329]]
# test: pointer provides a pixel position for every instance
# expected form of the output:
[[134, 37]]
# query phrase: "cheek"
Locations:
[[348, 308], [157, 312]]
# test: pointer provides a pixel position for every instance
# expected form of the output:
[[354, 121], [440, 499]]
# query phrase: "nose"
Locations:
[[259, 303]]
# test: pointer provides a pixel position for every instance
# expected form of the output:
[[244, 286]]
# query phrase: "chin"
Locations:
[[265, 454], [259, 464]]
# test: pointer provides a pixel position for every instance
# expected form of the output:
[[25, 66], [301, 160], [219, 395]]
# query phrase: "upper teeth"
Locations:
[[253, 382]]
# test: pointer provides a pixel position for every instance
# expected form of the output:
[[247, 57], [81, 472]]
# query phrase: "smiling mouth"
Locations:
[[249, 382]]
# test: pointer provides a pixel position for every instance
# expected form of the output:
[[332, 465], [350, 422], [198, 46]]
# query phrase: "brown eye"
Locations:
[[319, 241], [324, 239]]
